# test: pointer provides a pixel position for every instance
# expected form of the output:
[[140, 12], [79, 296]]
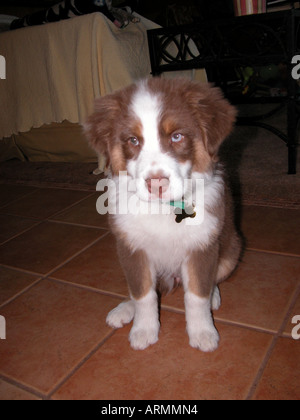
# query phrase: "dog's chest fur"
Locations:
[[167, 243]]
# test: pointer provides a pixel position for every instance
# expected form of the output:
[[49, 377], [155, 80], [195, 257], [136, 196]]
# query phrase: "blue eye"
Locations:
[[177, 137], [134, 141]]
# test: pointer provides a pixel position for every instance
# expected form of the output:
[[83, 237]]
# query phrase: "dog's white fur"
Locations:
[[154, 245]]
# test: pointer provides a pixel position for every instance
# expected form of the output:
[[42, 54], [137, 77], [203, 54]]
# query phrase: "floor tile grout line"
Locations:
[[50, 185], [273, 207], [87, 357], [289, 310], [23, 387], [75, 255], [169, 308], [226, 322], [276, 337], [47, 219], [76, 224], [44, 276], [30, 218], [21, 292], [267, 356], [104, 233], [238, 324], [17, 199], [38, 222], [69, 207], [61, 281], [22, 270], [278, 253], [262, 368], [88, 288]]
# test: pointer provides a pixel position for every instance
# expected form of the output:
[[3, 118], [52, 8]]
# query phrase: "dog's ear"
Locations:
[[98, 129], [215, 115]]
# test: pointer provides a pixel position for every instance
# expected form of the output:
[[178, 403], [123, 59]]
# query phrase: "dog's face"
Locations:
[[161, 132]]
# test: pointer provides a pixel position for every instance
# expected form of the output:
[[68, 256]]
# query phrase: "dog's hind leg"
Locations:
[[230, 244], [229, 257]]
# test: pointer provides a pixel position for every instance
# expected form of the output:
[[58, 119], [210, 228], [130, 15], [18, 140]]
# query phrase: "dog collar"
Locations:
[[182, 211]]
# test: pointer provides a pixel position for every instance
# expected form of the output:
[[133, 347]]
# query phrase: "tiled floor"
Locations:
[[59, 277]]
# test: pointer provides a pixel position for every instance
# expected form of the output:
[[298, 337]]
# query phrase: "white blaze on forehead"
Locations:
[[147, 107]]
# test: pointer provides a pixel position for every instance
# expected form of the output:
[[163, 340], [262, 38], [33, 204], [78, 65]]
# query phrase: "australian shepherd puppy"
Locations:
[[171, 210]]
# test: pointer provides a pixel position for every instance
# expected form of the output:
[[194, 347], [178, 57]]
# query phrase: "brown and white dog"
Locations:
[[161, 138]]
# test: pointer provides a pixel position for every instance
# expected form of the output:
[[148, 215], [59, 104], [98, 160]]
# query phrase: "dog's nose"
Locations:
[[157, 184]]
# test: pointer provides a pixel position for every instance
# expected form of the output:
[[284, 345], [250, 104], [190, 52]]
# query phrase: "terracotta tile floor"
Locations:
[[59, 277]]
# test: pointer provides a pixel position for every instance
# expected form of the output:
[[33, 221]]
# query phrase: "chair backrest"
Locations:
[[278, 3]]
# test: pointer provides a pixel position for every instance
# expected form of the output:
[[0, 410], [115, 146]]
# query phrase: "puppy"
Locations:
[[171, 211]]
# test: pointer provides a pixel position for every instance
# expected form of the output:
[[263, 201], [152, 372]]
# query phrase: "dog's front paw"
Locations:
[[121, 315], [205, 340], [141, 338]]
